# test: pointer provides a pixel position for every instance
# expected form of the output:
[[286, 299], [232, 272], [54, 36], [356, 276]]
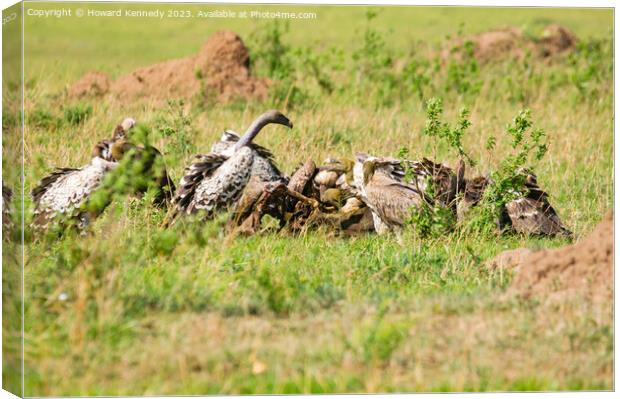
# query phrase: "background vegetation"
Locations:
[[133, 309]]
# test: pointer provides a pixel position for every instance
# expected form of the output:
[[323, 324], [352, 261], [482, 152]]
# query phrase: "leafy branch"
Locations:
[[452, 135]]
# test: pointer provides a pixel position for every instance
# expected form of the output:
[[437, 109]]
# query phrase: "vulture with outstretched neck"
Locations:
[[264, 166], [216, 180]]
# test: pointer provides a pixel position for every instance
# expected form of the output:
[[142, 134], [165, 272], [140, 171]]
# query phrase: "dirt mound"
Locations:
[[584, 268], [511, 259], [224, 62], [498, 44], [512, 43], [556, 39], [221, 68], [168, 79], [92, 84]]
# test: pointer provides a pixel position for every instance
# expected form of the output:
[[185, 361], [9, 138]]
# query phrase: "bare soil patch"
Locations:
[[508, 260], [584, 268], [556, 39], [168, 79], [511, 42], [92, 84], [220, 70]]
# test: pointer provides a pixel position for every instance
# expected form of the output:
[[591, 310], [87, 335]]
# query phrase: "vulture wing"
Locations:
[[300, 178], [265, 165], [7, 195], [223, 185], [48, 182], [533, 214], [66, 188], [391, 200], [202, 168]]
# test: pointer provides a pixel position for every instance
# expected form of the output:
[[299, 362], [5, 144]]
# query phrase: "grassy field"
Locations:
[[134, 309]]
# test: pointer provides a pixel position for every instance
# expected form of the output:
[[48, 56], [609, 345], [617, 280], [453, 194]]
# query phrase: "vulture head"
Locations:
[[369, 166], [340, 165], [121, 130], [118, 149], [265, 119], [472, 194], [103, 149]]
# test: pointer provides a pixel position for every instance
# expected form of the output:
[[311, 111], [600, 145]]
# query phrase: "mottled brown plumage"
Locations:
[[531, 214], [390, 200], [217, 180], [400, 184], [474, 188], [151, 170], [7, 222], [65, 190], [201, 169], [301, 178]]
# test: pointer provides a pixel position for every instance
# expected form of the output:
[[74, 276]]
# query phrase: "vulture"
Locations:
[[217, 180], [474, 188], [530, 214], [147, 170], [7, 196], [389, 198], [264, 166], [406, 183], [103, 149], [265, 191], [62, 192]]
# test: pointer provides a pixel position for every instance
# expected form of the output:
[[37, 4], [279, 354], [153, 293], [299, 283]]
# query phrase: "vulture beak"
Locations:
[[283, 120], [277, 117]]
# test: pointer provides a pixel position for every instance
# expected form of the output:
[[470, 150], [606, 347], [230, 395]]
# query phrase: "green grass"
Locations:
[[133, 309]]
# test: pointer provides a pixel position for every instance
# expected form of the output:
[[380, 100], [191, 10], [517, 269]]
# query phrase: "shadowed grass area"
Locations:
[[134, 309]]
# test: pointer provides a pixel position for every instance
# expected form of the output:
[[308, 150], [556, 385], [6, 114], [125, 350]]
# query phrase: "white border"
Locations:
[[470, 3]]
